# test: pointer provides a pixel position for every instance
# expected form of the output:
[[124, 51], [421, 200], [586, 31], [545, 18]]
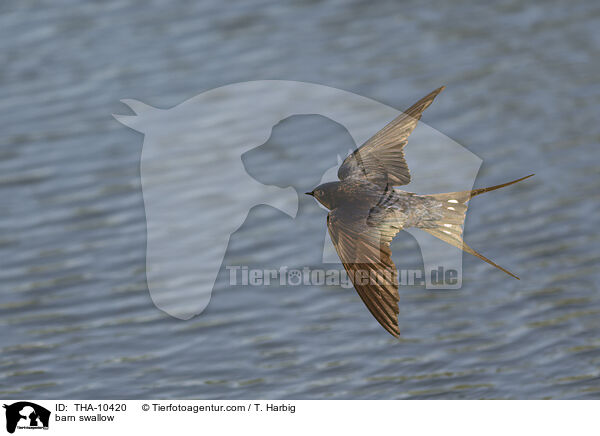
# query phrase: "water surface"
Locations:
[[522, 93]]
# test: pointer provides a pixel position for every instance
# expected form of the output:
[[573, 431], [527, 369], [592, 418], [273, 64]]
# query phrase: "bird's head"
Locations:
[[326, 194]]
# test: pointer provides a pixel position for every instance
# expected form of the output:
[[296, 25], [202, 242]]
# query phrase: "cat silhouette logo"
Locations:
[[26, 415], [197, 191]]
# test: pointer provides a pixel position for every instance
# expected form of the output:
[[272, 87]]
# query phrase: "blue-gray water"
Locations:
[[522, 93]]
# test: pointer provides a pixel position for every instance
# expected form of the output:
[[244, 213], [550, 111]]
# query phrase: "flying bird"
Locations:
[[366, 211]]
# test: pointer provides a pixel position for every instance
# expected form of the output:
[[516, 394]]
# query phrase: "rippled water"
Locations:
[[76, 314]]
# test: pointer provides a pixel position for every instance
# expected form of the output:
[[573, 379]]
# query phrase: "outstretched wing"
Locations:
[[364, 249], [382, 156]]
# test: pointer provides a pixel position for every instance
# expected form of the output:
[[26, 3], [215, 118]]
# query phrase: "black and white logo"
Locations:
[[26, 415]]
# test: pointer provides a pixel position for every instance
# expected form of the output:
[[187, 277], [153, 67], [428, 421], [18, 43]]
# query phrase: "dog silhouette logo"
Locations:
[[26, 415], [197, 191]]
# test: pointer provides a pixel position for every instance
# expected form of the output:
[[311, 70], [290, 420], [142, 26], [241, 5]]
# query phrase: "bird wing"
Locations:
[[382, 156], [364, 249]]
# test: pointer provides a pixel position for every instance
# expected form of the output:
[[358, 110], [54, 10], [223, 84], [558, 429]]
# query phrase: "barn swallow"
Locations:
[[366, 211]]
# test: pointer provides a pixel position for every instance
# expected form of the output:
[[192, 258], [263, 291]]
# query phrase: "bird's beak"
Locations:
[[309, 193]]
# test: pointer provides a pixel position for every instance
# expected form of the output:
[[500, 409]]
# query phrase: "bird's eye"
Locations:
[[319, 192]]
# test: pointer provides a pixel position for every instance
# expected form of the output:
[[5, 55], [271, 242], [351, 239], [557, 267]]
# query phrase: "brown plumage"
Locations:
[[366, 212]]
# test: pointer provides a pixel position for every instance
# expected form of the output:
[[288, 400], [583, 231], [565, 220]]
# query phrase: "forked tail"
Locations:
[[453, 208]]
